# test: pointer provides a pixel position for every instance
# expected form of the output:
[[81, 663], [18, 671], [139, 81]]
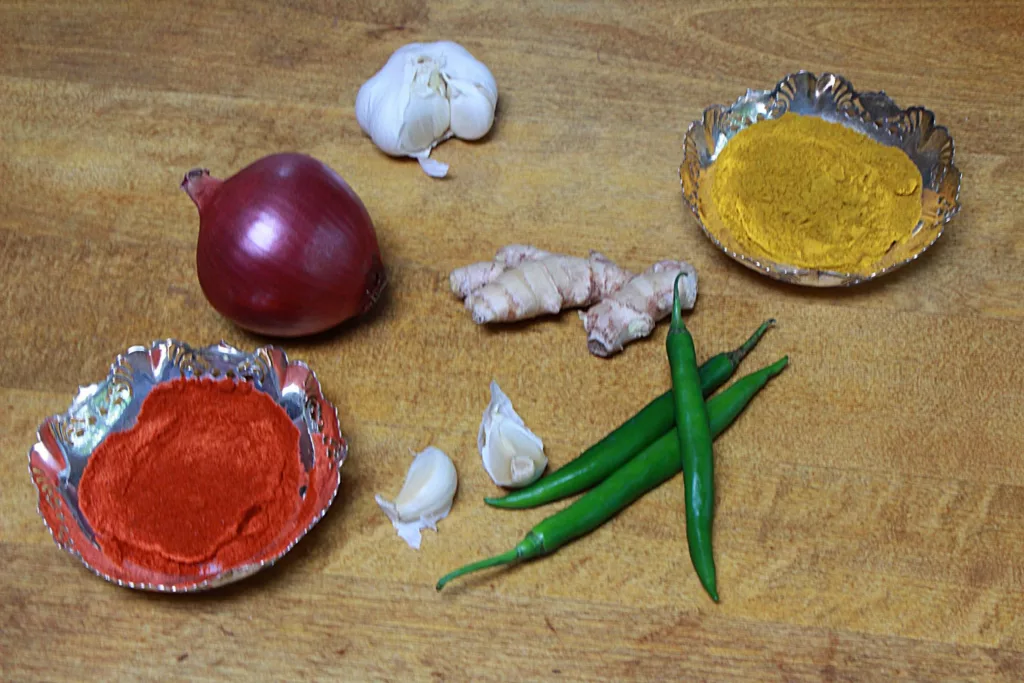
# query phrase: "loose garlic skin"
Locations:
[[425, 94], [426, 496], [513, 456]]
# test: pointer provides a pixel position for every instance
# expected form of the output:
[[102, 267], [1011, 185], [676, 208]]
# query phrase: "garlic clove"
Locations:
[[379, 113], [427, 113], [426, 496], [381, 104], [512, 455], [461, 65], [472, 113]]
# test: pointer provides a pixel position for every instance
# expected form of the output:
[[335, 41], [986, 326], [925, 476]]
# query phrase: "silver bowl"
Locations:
[[66, 441], [833, 98]]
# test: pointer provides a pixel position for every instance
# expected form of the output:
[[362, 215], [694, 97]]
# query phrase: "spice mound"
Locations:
[[810, 193], [205, 479]]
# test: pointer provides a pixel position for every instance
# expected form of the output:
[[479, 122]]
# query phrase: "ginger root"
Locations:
[[524, 282], [632, 312]]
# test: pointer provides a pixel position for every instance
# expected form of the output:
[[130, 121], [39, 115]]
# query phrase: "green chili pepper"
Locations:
[[655, 465], [634, 435], [695, 446]]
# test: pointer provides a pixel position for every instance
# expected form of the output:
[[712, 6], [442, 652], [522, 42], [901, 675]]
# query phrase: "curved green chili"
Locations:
[[655, 465], [695, 446], [640, 431]]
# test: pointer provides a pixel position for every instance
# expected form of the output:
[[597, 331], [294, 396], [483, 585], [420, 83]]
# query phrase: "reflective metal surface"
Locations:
[[66, 441], [833, 98]]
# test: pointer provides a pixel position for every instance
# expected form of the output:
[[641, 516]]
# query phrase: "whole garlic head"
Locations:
[[513, 455], [426, 496], [425, 94]]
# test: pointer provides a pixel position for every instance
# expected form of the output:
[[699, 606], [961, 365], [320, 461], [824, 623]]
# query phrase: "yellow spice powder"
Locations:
[[815, 194]]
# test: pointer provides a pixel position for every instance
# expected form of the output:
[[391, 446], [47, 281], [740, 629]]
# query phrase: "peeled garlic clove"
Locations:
[[426, 496], [513, 456]]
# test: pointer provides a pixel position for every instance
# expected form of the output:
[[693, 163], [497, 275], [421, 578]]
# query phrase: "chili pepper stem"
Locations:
[[528, 548], [741, 352], [496, 561], [677, 308]]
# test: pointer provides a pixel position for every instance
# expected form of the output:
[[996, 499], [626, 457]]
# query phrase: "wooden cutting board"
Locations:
[[870, 508]]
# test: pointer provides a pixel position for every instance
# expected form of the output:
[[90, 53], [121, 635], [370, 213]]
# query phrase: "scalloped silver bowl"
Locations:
[[66, 441], [833, 98]]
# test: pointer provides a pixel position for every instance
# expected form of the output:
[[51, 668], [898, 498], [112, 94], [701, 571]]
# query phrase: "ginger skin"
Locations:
[[524, 282]]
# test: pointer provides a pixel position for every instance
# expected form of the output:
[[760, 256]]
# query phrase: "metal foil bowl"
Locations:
[[66, 441], [832, 98]]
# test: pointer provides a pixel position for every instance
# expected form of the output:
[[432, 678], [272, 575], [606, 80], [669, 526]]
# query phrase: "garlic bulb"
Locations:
[[426, 496], [425, 94], [513, 455]]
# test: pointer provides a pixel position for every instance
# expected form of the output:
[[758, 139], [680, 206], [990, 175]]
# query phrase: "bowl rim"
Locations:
[[334, 447], [818, 277]]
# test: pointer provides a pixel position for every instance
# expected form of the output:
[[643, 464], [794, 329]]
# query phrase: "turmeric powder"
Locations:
[[806, 192]]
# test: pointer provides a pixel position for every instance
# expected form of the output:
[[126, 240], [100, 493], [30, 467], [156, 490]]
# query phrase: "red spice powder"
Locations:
[[209, 473]]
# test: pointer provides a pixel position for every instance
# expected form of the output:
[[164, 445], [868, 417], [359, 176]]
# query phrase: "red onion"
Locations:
[[286, 247]]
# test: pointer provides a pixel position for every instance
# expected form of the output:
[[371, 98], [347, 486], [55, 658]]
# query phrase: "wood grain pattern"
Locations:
[[870, 520]]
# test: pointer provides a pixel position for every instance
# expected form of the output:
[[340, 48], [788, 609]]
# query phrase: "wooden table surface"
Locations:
[[870, 519]]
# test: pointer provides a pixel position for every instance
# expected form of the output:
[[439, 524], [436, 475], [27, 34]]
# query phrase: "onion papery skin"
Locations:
[[286, 248]]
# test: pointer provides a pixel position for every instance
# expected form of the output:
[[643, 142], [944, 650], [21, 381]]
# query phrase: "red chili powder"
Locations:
[[209, 473]]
